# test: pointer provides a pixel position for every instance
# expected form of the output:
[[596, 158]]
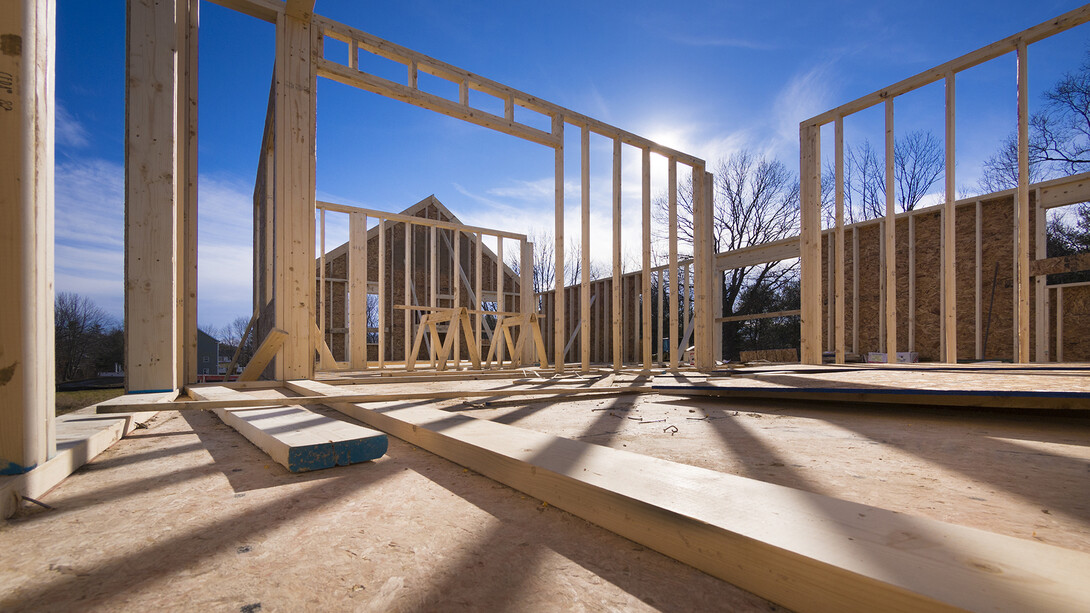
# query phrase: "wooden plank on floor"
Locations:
[[866, 393], [297, 438], [81, 436], [805, 551]]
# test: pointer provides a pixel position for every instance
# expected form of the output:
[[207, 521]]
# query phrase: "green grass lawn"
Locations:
[[73, 401]]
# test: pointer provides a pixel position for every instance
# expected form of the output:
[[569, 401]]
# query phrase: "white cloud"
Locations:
[[68, 132], [90, 235], [806, 94]]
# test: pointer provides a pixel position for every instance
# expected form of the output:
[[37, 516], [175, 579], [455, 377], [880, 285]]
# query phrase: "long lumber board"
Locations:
[[991, 398], [245, 401], [81, 436], [805, 551], [295, 437]]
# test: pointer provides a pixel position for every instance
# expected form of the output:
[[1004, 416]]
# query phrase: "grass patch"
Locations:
[[74, 401]]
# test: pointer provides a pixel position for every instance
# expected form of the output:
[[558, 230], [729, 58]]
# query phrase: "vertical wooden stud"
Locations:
[[671, 200], [27, 363], [381, 293], [407, 279], [154, 216], [979, 278], [478, 287], [708, 292], [838, 256], [912, 283], [645, 273], [1040, 289], [949, 216], [890, 253], [294, 197], [526, 295], [1022, 243], [855, 290], [810, 243], [558, 213], [357, 290], [584, 287], [501, 297], [615, 293]]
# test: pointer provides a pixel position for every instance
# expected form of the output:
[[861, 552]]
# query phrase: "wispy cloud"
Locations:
[[90, 239], [68, 131], [806, 94]]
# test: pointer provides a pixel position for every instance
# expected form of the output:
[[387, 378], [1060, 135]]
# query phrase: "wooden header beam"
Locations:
[[1066, 21], [417, 61]]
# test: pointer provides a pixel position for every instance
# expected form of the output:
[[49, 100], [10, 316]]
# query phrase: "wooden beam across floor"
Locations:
[[805, 551], [298, 439]]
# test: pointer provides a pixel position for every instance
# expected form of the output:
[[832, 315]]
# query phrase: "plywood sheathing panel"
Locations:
[[997, 235]]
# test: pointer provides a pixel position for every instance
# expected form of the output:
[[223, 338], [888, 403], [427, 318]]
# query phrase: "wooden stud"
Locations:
[[882, 283], [810, 243], [912, 282], [1022, 200], [154, 188], [855, 290], [479, 287], [456, 272], [414, 78], [294, 196], [707, 294], [584, 287], [1059, 324], [671, 196], [645, 273], [558, 236], [189, 23], [830, 294], [501, 294], [890, 253], [615, 293], [357, 290], [321, 275], [979, 274], [949, 216], [407, 278], [686, 290], [27, 364], [661, 318], [433, 281], [838, 256], [526, 298], [381, 293], [1040, 283]]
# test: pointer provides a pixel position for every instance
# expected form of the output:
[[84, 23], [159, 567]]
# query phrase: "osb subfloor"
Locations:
[[188, 515]]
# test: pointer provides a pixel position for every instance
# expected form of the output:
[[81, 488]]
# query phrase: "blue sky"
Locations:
[[707, 78]]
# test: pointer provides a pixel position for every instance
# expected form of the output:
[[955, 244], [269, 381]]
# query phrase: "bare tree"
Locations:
[[756, 201], [918, 162], [1062, 127], [1059, 136], [79, 326], [1001, 169]]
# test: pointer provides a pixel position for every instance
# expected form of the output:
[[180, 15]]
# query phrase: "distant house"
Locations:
[[208, 354], [338, 269]]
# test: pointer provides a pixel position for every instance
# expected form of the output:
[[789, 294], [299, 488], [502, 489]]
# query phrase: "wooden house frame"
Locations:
[[819, 553], [1027, 268], [434, 280]]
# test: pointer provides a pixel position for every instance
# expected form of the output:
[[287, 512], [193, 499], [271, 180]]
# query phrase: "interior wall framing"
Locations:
[[810, 177]]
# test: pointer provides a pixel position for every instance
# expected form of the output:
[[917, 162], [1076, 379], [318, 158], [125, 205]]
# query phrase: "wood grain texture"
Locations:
[[298, 439], [805, 551]]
